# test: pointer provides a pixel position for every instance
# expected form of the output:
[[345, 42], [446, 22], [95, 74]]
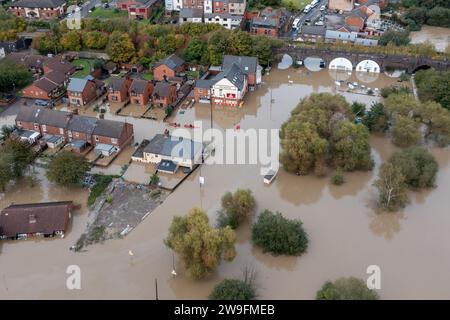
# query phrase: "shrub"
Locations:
[[337, 178], [101, 183], [67, 169], [154, 180], [346, 289], [233, 289], [278, 235], [236, 208]]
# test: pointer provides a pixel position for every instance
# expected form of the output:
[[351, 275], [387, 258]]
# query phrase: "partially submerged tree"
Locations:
[[406, 132], [278, 235], [233, 289], [199, 245], [21, 153], [392, 188], [236, 207], [346, 289], [67, 168]]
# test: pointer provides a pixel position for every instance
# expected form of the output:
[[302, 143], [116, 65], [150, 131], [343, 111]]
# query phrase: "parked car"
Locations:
[[322, 8], [314, 3], [319, 23], [42, 103], [307, 8]]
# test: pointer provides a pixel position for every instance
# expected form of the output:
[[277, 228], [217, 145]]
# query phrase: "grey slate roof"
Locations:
[[108, 128], [247, 65], [116, 83], [162, 89], [173, 146], [191, 13], [138, 86], [28, 114], [76, 85], [59, 64], [46, 84], [314, 30], [54, 118], [205, 83], [173, 61], [38, 3], [234, 75], [82, 124]]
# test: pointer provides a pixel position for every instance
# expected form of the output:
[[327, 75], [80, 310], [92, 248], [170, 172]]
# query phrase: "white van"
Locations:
[[307, 8], [295, 23], [314, 3]]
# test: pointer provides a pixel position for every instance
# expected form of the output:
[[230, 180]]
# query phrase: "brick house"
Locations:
[[33, 62], [357, 19], [248, 65], [58, 64], [42, 120], [115, 133], [45, 88], [237, 6], [38, 9], [82, 91], [164, 94], [270, 22], [338, 5], [168, 68], [81, 128], [138, 9], [118, 89], [140, 92], [202, 90], [193, 4], [20, 221]]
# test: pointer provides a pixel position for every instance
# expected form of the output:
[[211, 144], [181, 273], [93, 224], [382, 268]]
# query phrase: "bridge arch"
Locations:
[[341, 64], [421, 67], [368, 66]]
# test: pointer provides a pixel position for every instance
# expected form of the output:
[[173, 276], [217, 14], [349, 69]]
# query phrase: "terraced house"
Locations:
[[38, 9]]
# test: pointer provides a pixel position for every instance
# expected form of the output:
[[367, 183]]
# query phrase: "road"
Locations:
[[312, 15]]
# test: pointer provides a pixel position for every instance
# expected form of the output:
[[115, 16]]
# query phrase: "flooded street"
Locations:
[[411, 247], [439, 37]]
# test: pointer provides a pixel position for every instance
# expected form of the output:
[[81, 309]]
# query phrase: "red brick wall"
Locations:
[[53, 131], [44, 14], [200, 93], [79, 136], [162, 70], [34, 92], [220, 7], [265, 31], [142, 99], [28, 126], [124, 139], [251, 79]]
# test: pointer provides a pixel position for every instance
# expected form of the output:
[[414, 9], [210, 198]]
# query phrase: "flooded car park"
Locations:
[[346, 234]]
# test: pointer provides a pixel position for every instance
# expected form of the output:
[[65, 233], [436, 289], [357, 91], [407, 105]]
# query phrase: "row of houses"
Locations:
[[66, 127]]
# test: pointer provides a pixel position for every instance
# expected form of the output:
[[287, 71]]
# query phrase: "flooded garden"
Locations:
[[412, 247]]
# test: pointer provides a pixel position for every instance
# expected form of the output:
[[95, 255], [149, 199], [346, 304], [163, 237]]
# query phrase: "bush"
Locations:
[[346, 289], [406, 132], [236, 208], [337, 178], [278, 235], [233, 289], [154, 180], [67, 169], [417, 165], [101, 183]]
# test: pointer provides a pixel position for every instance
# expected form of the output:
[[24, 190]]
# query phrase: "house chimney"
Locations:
[[32, 218]]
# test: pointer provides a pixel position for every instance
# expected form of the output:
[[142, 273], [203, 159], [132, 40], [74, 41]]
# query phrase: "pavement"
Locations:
[[311, 15]]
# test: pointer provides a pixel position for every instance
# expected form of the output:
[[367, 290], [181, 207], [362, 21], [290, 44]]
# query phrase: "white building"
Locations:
[[230, 87], [228, 21], [174, 5], [191, 15], [207, 6]]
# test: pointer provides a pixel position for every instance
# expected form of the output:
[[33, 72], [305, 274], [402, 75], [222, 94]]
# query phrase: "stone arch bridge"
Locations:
[[410, 63]]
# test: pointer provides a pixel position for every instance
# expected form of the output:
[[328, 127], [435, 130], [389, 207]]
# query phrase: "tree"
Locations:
[[262, 48], [358, 109], [401, 104], [398, 38], [406, 132], [120, 48], [196, 51], [240, 43], [433, 85], [236, 207], [351, 148], [5, 131], [71, 41], [6, 172], [302, 147], [13, 76], [346, 289], [67, 169], [95, 40], [199, 245], [437, 120], [417, 165], [233, 289], [48, 44], [21, 153], [376, 118], [218, 44], [167, 44], [391, 186], [278, 235]]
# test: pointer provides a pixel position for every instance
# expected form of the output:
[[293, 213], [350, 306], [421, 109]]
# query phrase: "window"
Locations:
[[113, 140], [44, 128], [96, 138], [61, 131]]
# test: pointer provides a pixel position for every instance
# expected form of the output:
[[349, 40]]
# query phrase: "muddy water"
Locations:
[[439, 37], [346, 235]]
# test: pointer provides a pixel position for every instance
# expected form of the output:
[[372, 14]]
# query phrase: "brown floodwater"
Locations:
[[411, 247], [439, 37]]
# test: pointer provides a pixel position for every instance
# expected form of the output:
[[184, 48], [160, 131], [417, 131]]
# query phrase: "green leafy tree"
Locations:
[[278, 235], [95, 40], [48, 44], [392, 187], [398, 38], [71, 41], [418, 166], [13, 76], [120, 48], [21, 153], [196, 51], [236, 207], [233, 289], [346, 289], [6, 172], [351, 148], [358, 109], [401, 104], [262, 48], [376, 118], [437, 120], [240, 43], [67, 168], [433, 85], [406, 132], [199, 245], [218, 45]]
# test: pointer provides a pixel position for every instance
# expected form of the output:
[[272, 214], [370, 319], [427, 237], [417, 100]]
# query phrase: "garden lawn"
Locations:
[[102, 13], [300, 4], [87, 64]]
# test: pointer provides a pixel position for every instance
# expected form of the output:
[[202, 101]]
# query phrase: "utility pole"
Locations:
[[156, 289]]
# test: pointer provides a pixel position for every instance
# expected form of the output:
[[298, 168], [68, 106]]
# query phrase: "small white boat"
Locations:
[[337, 83], [270, 176]]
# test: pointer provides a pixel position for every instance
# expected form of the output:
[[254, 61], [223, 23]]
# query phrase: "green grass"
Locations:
[[87, 64], [102, 13], [300, 4], [193, 74], [148, 76]]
